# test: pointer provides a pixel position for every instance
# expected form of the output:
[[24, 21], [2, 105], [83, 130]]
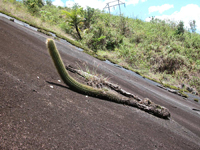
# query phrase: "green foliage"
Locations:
[[12, 1], [33, 5], [193, 26], [89, 17], [195, 81], [74, 18], [171, 63], [180, 28], [97, 39], [137, 38], [43, 31], [49, 2], [102, 38], [124, 26], [51, 15], [183, 94], [170, 86], [65, 27]]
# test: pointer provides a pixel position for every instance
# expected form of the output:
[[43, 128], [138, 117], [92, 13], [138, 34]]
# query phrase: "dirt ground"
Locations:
[[38, 112]]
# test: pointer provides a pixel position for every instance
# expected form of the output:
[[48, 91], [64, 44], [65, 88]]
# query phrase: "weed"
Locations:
[[43, 31], [183, 94], [170, 86], [91, 75], [158, 107]]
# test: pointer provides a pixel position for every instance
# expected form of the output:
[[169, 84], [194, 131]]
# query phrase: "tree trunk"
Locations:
[[78, 32]]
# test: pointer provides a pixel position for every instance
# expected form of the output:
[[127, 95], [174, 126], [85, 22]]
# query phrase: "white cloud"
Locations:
[[134, 2], [58, 3], [69, 3], [99, 4], [186, 14], [160, 9]]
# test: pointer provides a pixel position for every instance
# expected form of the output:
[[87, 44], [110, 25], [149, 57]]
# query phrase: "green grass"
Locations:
[[196, 100], [183, 94], [170, 86], [44, 32]]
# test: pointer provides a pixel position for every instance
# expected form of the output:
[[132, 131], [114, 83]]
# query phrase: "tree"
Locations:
[[180, 28], [49, 2], [33, 5], [74, 18], [88, 14], [193, 26]]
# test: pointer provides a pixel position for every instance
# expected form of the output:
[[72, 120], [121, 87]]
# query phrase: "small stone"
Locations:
[[86, 96], [38, 77], [51, 86], [190, 89], [59, 81], [194, 93]]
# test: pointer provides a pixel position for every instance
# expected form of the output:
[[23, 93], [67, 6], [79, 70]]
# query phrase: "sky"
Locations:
[[175, 10]]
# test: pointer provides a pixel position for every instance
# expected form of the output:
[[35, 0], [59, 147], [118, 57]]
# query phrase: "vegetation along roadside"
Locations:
[[163, 51]]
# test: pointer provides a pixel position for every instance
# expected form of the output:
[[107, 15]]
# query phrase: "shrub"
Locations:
[[195, 81], [66, 28], [89, 14], [113, 39], [171, 63], [180, 28], [137, 38], [33, 5]]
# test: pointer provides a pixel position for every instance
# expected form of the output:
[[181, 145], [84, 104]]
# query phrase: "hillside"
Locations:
[[159, 50], [38, 111]]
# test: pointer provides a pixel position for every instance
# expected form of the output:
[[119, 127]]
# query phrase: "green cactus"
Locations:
[[107, 94], [73, 84]]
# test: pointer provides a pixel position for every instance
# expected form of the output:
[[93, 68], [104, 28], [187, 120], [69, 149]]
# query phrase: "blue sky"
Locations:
[[176, 10]]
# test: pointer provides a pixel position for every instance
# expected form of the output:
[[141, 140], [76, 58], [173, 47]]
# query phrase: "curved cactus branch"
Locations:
[[145, 104]]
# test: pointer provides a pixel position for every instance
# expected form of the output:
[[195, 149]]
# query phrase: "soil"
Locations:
[[37, 111]]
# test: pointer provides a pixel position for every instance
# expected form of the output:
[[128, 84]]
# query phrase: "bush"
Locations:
[[171, 63], [66, 28], [113, 39], [180, 28], [137, 38], [33, 5]]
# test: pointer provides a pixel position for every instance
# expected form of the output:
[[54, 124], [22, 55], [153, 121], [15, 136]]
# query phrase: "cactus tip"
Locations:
[[48, 40]]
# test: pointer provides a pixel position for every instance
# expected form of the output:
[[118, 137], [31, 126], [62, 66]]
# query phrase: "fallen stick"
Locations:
[[115, 87]]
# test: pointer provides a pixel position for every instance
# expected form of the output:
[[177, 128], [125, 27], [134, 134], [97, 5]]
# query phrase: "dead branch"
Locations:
[[115, 87]]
